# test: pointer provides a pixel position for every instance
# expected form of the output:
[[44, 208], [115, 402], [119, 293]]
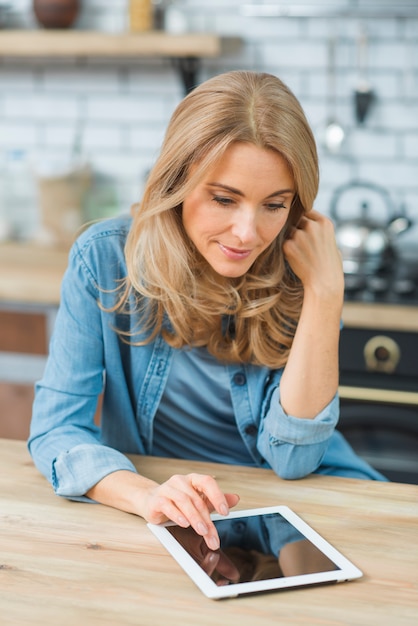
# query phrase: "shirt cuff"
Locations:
[[284, 428], [77, 470]]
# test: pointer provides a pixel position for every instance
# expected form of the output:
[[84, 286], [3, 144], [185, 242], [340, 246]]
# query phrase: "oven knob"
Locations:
[[381, 354]]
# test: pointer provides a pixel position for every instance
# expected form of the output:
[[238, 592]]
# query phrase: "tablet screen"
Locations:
[[253, 548], [261, 549]]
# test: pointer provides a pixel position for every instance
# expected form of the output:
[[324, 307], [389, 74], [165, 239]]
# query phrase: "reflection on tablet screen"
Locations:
[[259, 547]]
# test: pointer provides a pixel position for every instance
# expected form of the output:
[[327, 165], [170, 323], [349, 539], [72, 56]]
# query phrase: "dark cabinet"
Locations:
[[23, 348]]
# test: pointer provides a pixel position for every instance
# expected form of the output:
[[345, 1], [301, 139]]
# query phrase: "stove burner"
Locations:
[[404, 286], [397, 285], [378, 284], [354, 282]]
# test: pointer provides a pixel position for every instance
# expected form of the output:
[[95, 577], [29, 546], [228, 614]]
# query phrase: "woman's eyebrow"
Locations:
[[227, 188], [280, 192]]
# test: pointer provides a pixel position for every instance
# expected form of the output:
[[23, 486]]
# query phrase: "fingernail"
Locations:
[[223, 509], [213, 543], [201, 528]]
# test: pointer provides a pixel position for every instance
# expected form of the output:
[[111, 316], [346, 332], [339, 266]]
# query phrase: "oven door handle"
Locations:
[[378, 395]]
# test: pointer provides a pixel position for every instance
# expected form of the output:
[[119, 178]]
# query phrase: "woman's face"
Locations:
[[239, 208]]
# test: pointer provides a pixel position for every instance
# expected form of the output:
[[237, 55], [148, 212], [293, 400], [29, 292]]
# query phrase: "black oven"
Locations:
[[379, 368], [379, 389]]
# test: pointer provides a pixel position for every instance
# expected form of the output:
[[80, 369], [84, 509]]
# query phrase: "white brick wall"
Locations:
[[122, 108]]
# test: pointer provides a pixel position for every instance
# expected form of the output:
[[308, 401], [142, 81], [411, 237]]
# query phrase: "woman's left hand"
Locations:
[[313, 255]]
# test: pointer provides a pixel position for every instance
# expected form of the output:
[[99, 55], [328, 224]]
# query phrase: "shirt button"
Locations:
[[251, 429], [240, 379]]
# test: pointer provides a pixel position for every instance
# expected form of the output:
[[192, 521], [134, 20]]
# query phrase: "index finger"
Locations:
[[208, 489]]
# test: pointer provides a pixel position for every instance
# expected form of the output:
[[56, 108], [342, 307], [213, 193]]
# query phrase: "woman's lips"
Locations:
[[234, 253]]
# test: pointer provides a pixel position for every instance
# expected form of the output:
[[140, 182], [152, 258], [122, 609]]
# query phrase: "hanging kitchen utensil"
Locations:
[[366, 243], [4, 10], [334, 132], [364, 95]]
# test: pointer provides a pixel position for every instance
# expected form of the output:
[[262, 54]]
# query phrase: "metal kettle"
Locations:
[[366, 243]]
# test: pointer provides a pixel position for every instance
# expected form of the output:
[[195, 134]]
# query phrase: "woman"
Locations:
[[209, 321]]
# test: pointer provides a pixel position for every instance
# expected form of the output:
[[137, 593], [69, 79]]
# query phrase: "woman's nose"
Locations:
[[244, 226]]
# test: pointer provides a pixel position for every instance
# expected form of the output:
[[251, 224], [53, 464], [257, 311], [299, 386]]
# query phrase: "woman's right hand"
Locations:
[[188, 500]]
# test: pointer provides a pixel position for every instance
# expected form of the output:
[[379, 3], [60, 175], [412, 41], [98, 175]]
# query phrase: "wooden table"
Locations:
[[70, 563]]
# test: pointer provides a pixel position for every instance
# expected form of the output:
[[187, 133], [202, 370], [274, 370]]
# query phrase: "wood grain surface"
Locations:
[[66, 563], [59, 43]]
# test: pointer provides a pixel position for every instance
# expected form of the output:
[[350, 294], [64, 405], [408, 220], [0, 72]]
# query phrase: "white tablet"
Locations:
[[261, 549]]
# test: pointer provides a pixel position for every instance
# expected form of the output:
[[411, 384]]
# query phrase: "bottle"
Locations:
[[5, 225], [140, 15], [175, 20], [159, 8], [19, 195]]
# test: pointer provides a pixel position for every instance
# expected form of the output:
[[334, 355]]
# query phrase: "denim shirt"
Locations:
[[87, 357]]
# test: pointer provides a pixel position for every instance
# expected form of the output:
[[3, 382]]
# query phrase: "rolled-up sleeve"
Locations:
[[293, 446], [65, 443], [76, 471]]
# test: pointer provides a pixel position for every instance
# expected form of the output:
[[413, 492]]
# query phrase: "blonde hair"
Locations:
[[174, 289]]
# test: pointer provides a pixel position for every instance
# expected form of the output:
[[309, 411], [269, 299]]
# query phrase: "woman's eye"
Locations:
[[275, 206], [225, 201], [222, 200]]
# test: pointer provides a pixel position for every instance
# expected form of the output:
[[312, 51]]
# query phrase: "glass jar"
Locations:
[[140, 15]]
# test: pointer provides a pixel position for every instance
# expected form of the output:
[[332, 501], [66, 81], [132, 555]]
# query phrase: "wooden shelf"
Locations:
[[186, 49], [58, 43]]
